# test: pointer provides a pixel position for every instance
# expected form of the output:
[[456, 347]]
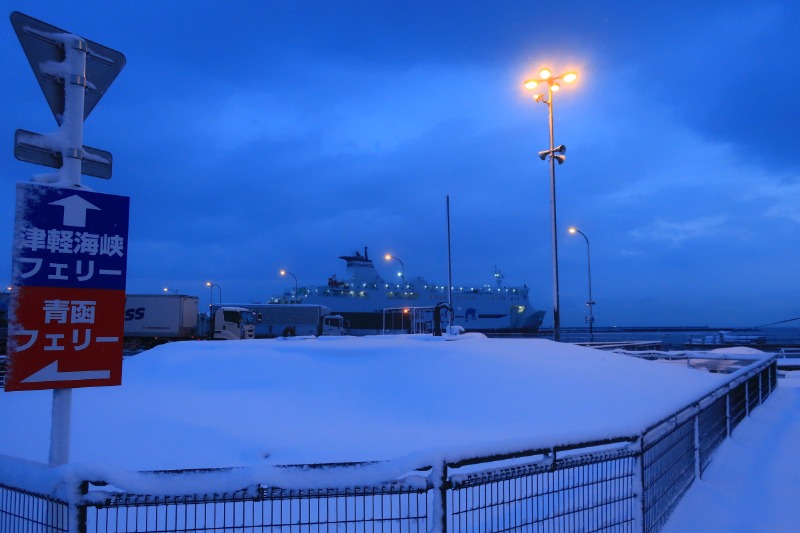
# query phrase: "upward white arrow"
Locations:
[[75, 209]]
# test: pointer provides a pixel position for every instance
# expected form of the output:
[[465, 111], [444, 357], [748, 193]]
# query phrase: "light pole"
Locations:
[[590, 303], [389, 257], [211, 298], [285, 273], [173, 291], [556, 154]]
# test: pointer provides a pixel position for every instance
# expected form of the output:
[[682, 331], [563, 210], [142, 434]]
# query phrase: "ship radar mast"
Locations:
[[498, 277]]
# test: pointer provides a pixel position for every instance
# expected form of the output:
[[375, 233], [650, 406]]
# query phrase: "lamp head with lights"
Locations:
[[545, 76]]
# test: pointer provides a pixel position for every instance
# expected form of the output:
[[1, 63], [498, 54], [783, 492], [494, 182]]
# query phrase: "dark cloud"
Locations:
[[255, 136]]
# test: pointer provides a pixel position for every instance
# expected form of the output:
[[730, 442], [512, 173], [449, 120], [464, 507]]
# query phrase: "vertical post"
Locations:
[[697, 444], [449, 267], [441, 508], [60, 424], [728, 412], [69, 175], [747, 396], [590, 303], [556, 311], [81, 511], [72, 124]]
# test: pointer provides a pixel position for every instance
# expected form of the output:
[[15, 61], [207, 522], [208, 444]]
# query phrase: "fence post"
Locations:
[[80, 510], [728, 412], [697, 444], [440, 485], [641, 486], [747, 396]]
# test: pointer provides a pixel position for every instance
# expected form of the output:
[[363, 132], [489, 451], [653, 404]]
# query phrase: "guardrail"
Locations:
[[630, 483]]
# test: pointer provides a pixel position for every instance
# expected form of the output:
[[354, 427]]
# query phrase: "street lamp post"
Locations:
[[211, 297], [556, 154], [285, 273], [590, 303], [389, 257]]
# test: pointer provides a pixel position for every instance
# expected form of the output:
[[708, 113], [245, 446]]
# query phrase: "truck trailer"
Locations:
[[152, 319]]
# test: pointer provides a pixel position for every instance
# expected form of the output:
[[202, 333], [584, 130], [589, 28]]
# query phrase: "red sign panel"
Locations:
[[65, 338]]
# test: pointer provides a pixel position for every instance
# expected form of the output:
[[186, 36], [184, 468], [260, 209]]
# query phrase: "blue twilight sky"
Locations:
[[258, 135]]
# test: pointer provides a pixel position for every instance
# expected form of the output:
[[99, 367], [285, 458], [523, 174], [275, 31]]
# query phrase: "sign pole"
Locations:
[[69, 175], [69, 297], [61, 423], [72, 127]]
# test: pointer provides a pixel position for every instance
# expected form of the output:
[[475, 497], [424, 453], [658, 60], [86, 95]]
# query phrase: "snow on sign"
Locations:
[[68, 268]]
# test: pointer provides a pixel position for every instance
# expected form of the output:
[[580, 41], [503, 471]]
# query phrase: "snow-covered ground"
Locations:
[[752, 483], [403, 401]]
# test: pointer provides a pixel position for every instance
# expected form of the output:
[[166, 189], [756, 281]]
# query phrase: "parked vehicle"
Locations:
[[152, 319], [288, 320], [231, 322]]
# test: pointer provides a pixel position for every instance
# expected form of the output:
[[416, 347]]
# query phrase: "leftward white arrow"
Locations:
[[51, 373], [75, 209]]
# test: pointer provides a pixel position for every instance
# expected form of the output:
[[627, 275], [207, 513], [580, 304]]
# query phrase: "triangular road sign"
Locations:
[[42, 44]]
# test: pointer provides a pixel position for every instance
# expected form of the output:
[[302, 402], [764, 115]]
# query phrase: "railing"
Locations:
[[579, 491], [625, 484], [391, 507], [23, 511]]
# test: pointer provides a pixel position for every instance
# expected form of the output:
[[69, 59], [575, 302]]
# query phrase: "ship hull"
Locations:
[[370, 305]]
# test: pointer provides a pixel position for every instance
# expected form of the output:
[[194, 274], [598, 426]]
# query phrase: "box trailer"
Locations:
[[152, 319]]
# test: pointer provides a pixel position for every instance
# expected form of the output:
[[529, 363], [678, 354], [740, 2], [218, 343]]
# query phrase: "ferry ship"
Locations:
[[365, 300]]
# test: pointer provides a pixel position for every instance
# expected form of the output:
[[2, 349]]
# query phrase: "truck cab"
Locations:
[[233, 323], [332, 325]]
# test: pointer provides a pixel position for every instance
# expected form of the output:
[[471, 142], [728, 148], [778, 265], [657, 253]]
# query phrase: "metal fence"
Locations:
[[22, 511], [392, 507], [589, 491], [626, 484]]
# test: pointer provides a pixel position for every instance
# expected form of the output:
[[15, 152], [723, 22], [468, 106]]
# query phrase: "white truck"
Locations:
[[232, 322], [152, 319], [288, 320]]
